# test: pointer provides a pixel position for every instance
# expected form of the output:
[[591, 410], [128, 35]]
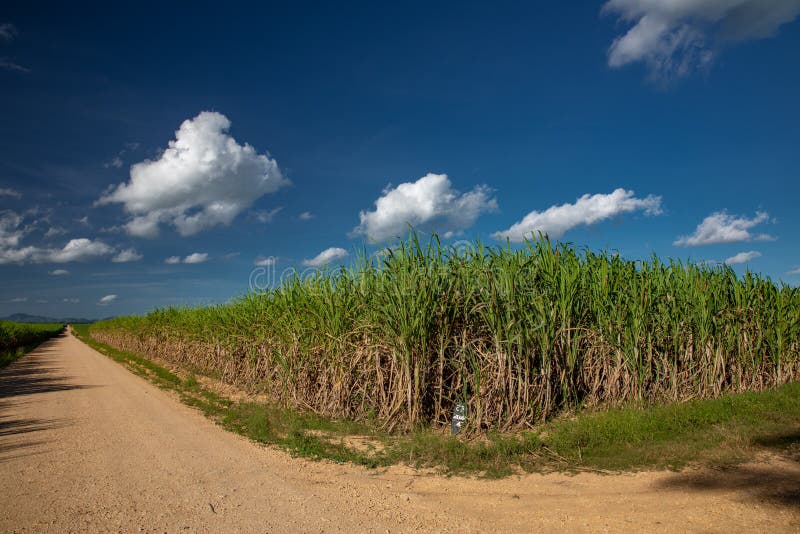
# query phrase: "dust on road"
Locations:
[[87, 446]]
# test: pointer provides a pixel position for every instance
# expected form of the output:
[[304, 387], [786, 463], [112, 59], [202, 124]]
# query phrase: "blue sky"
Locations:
[[227, 134]]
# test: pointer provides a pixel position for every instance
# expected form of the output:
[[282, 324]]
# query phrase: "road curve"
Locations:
[[85, 445]]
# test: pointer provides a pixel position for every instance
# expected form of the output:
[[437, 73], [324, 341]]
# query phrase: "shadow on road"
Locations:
[[13, 434], [36, 373], [14, 427], [778, 484]]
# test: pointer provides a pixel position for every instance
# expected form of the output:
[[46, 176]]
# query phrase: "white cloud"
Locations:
[[19, 299], [105, 301], [8, 64], [306, 216], [203, 179], [743, 257], [83, 220], [143, 226], [429, 204], [197, 257], [719, 227], [115, 162], [10, 236], [36, 210], [7, 192], [59, 272], [674, 37], [7, 31], [325, 257], [54, 231], [263, 261], [555, 221], [76, 250], [126, 256], [17, 255], [794, 271], [264, 216], [72, 300], [10, 232]]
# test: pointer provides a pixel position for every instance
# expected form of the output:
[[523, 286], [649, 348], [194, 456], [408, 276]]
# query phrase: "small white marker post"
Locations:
[[459, 418]]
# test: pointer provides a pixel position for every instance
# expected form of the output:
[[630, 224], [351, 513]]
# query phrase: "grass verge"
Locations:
[[724, 431]]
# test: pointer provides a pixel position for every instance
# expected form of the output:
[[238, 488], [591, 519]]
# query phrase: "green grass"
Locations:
[[725, 430], [17, 339]]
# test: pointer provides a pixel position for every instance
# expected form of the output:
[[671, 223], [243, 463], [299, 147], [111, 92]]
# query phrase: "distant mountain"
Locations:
[[28, 318]]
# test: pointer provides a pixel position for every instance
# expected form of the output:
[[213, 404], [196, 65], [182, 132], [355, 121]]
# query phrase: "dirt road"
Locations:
[[87, 446]]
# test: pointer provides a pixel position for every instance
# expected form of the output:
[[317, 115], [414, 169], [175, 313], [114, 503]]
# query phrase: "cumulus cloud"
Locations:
[[306, 216], [55, 231], [126, 256], [555, 221], [10, 231], [329, 255], [11, 234], [429, 204], [105, 301], [674, 37], [743, 257], [204, 178], [794, 271], [16, 255], [197, 257], [8, 192], [143, 226], [59, 272], [265, 261], [77, 250], [720, 227]]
